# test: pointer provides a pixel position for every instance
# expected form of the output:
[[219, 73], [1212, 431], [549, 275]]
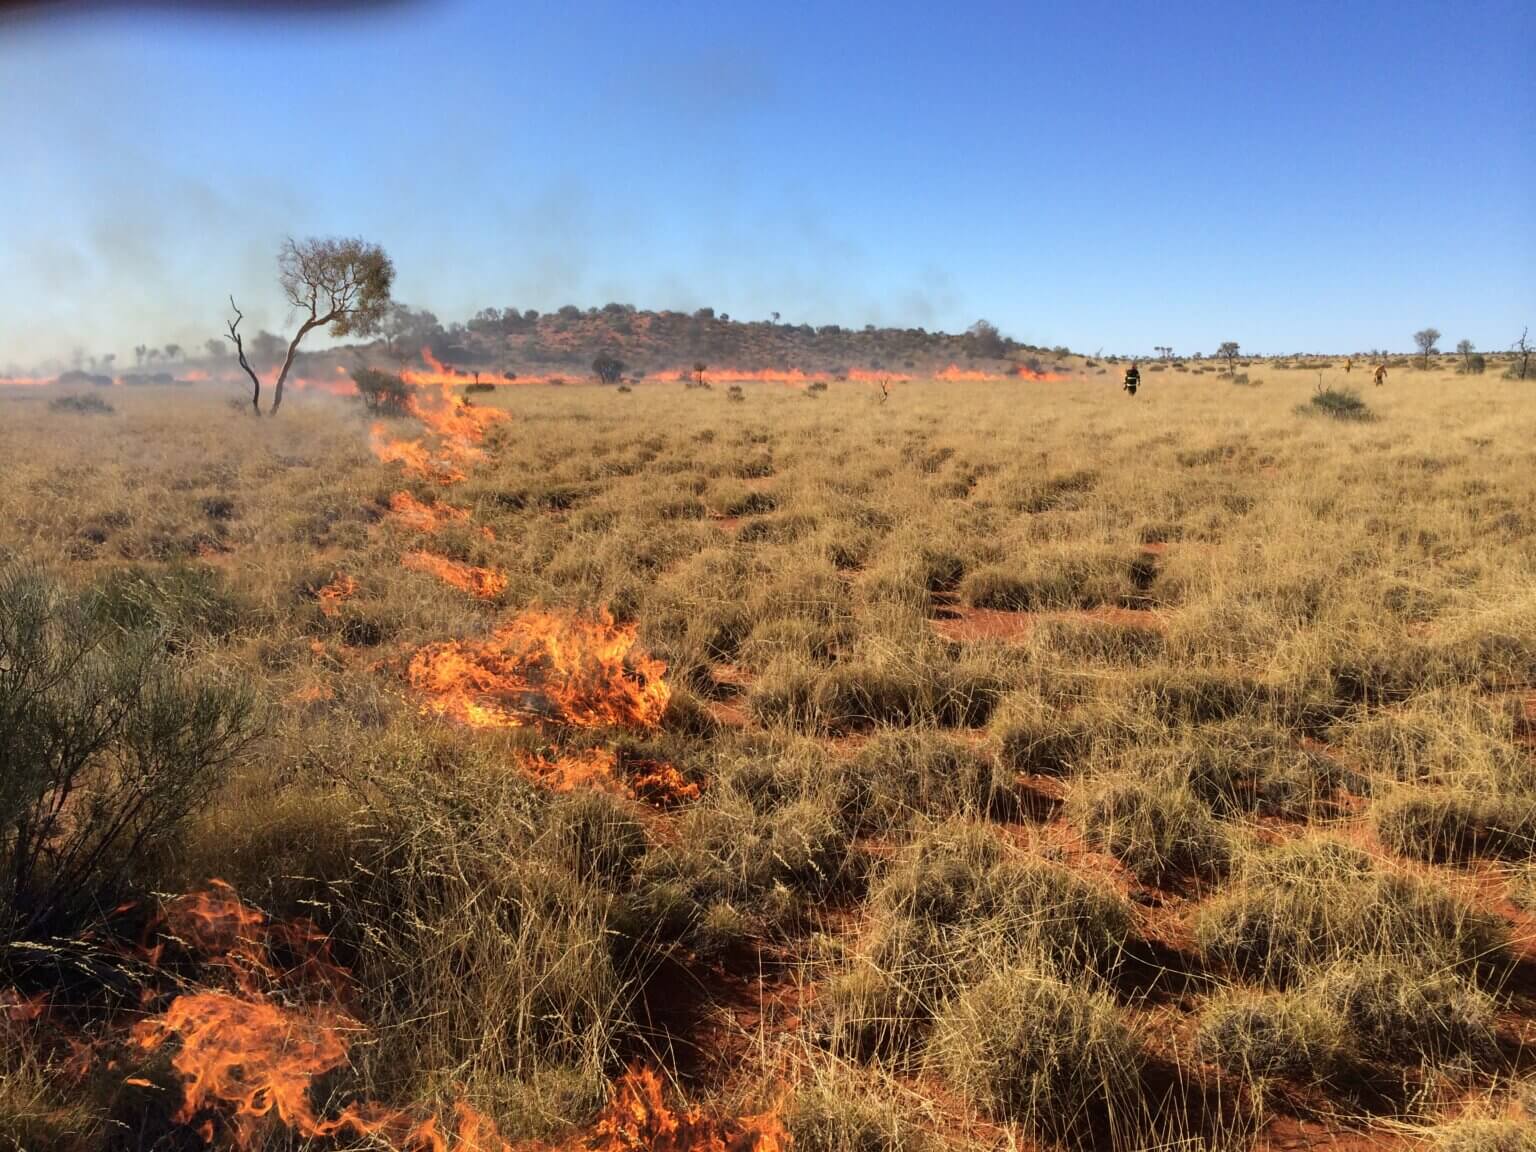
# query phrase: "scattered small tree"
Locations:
[[1464, 350], [340, 283], [1425, 339], [699, 367], [608, 368], [986, 340], [1229, 351], [213, 347], [1522, 348], [173, 351]]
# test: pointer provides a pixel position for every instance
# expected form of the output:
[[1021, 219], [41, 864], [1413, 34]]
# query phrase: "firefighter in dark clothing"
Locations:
[[1132, 378]]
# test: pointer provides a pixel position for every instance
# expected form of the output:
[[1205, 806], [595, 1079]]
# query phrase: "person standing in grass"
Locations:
[[1132, 378]]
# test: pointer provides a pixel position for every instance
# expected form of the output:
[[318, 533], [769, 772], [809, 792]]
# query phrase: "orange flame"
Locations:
[[544, 666], [412, 455], [247, 1058], [597, 769], [411, 513], [334, 594], [637, 1119], [483, 583], [594, 768]]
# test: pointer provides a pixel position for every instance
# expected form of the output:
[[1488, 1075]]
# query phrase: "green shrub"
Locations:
[[1337, 403], [109, 723], [383, 393]]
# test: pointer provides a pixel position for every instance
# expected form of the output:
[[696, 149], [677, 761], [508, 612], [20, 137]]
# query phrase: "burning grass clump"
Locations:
[[1315, 903], [1052, 1056]]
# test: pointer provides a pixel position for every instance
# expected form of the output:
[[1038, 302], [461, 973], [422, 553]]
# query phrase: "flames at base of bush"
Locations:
[[544, 666], [483, 583]]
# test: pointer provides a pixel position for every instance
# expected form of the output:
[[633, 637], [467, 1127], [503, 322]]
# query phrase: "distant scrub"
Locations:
[[86, 404]]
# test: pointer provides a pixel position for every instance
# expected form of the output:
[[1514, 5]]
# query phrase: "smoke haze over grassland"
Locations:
[[884, 166]]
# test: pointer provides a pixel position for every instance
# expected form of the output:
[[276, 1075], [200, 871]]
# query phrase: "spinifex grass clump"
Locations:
[[1318, 902]]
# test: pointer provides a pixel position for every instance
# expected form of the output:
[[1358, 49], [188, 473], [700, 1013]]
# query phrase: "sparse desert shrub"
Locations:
[[1053, 1057], [1314, 903], [816, 386], [107, 722], [1449, 824], [1262, 1036], [625, 388], [735, 393], [87, 404], [1337, 403], [1158, 829]]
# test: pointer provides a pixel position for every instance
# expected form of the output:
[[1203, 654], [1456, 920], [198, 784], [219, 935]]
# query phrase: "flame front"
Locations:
[[429, 519], [336, 593], [482, 583], [544, 666], [637, 1119]]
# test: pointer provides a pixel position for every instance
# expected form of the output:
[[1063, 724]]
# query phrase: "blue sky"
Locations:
[[1299, 176]]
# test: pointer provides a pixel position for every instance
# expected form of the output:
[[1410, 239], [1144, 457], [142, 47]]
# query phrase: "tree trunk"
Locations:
[[293, 350]]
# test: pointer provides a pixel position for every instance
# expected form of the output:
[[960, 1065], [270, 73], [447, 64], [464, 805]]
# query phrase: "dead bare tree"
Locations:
[[340, 283], [235, 339], [1522, 348]]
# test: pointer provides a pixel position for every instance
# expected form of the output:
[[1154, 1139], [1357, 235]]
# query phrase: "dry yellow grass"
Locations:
[[1252, 633]]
